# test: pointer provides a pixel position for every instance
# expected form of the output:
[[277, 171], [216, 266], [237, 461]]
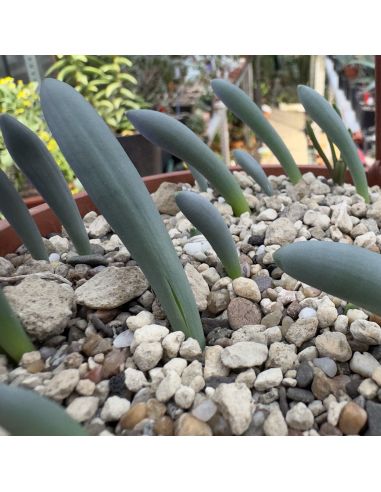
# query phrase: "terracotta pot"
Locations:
[[48, 223]]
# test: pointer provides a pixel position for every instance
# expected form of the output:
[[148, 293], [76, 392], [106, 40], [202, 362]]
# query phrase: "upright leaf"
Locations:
[[247, 111], [253, 169], [36, 162], [208, 220], [116, 188], [177, 139], [17, 214], [327, 118]]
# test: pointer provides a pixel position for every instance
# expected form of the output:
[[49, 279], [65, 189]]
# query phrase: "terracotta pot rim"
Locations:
[[48, 223]]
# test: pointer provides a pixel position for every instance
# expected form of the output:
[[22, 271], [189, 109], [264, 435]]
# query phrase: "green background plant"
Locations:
[[22, 101], [106, 82]]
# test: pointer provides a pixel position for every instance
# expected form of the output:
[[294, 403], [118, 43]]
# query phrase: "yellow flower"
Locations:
[[19, 111], [52, 145], [44, 135]]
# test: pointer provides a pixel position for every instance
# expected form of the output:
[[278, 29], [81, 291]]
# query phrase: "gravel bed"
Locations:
[[282, 358]]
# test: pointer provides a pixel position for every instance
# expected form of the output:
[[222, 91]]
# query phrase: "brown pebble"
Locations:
[[321, 386], [133, 416], [375, 319], [164, 426], [187, 425], [95, 374], [95, 344], [106, 315], [113, 363], [352, 419], [35, 366], [155, 409], [294, 432], [243, 312], [338, 384], [329, 430]]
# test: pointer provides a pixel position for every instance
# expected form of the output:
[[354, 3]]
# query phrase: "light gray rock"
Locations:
[[184, 397], [62, 384], [282, 231], [275, 425], [150, 333], [213, 362], [267, 214], [198, 285], [250, 333], [205, 410], [114, 408], [327, 365], [172, 343], [301, 331], [60, 244], [368, 389], [168, 386], [193, 371], [247, 288], [334, 345], [366, 331], [134, 380], [190, 349], [326, 312], [164, 198], [235, 403], [269, 378], [218, 301], [99, 227], [124, 339], [246, 377], [143, 318], [44, 307], [83, 408], [300, 417], [6, 267], [282, 355], [341, 324], [112, 287], [176, 364], [244, 354], [316, 219], [307, 313], [147, 355], [363, 364]]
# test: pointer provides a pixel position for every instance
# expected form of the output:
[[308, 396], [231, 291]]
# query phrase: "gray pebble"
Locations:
[[327, 365]]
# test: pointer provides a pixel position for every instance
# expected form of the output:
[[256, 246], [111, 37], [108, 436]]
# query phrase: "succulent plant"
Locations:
[[17, 214], [253, 169], [177, 139], [210, 223], [199, 178], [36, 162], [330, 122], [13, 339], [116, 188], [342, 270], [24, 412], [247, 111]]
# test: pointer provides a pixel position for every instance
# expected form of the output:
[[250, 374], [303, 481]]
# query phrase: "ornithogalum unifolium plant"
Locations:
[[330, 122], [17, 214], [13, 339], [118, 191], [210, 223], [36, 162], [24, 412], [253, 169], [247, 111], [342, 270], [177, 139]]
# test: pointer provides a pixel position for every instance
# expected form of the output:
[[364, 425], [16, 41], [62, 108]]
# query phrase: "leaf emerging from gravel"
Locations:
[[17, 214], [342, 270], [247, 111], [209, 222], [253, 169], [115, 186], [36, 162], [25, 413], [177, 139]]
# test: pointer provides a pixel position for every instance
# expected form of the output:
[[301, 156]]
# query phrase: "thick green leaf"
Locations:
[[116, 188], [13, 338], [36, 162], [330, 122], [24, 412], [342, 270], [210, 223], [199, 178], [178, 140], [318, 147], [247, 111], [17, 214], [253, 169]]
